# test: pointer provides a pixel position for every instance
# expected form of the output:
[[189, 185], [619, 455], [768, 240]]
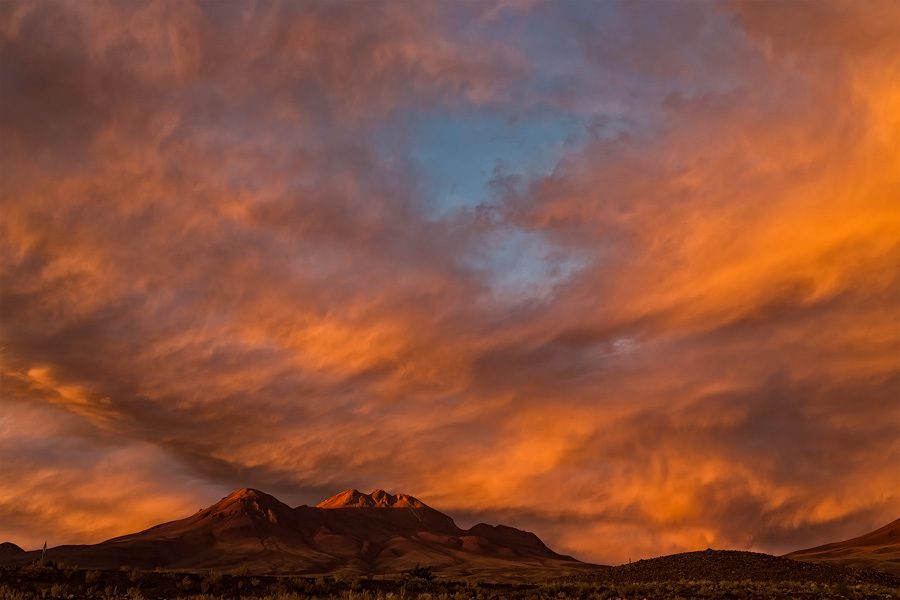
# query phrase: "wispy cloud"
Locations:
[[218, 270]]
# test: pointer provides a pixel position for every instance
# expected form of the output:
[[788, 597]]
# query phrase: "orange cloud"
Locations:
[[219, 268]]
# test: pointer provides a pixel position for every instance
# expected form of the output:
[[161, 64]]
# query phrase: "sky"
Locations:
[[625, 274]]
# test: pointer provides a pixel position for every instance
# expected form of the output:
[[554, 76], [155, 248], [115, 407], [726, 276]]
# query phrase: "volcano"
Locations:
[[350, 533]]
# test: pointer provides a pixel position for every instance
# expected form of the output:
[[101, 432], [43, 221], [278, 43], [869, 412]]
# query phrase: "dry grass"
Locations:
[[52, 583]]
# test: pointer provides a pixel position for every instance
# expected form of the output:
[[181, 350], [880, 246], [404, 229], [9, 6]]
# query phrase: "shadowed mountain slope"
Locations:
[[352, 532], [879, 549]]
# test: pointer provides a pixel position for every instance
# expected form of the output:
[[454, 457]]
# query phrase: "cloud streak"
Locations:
[[220, 266]]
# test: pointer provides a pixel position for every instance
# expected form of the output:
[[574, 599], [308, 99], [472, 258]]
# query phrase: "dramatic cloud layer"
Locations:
[[625, 274]]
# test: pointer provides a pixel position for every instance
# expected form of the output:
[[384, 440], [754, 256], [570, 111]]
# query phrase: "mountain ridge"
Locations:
[[350, 532], [378, 498]]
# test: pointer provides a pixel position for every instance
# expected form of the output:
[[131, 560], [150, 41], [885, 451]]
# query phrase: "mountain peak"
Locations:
[[249, 502], [249, 493], [378, 498]]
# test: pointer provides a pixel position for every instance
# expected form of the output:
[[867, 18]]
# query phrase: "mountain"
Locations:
[[349, 533], [879, 549]]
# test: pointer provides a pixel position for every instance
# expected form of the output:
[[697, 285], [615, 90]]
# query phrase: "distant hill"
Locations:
[[735, 565], [352, 533], [10, 550], [879, 549]]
